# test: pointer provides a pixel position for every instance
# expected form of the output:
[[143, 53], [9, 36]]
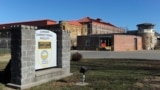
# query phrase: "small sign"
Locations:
[[46, 49]]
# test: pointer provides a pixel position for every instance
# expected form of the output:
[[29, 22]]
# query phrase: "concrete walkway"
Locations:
[[149, 55]]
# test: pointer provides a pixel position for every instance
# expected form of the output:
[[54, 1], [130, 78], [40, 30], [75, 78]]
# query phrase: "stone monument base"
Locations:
[[43, 77], [81, 84]]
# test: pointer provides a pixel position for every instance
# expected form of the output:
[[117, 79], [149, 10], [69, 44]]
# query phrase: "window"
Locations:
[[63, 28], [87, 43]]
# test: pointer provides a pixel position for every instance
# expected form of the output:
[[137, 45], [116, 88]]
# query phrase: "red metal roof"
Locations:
[[98, 20], [86, 19], [32, 23], [74, 23]]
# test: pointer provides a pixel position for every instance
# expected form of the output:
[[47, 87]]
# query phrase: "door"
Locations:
[[135, 43]]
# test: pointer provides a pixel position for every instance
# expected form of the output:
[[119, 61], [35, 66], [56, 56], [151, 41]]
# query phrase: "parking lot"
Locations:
[[148, 55]]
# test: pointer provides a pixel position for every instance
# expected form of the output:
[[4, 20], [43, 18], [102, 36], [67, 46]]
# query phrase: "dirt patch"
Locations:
[[8, 88], [152, 81], [140, 85]]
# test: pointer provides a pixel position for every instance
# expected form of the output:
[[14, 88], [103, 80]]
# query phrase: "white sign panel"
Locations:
[[46, 49]]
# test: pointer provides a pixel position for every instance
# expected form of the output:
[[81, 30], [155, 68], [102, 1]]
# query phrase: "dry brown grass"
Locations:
[[5, 57]]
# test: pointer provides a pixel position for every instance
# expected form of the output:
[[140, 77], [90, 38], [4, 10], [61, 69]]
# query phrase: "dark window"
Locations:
[[63, 28]]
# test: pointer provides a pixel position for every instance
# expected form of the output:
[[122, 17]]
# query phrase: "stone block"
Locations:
[[26, 47], [24, 64], [24, 58], [24, 42], [29, 42], [30, 53]]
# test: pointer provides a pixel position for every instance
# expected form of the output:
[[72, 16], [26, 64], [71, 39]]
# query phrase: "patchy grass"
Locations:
[[2, 66], [110, 75], [1, 86]]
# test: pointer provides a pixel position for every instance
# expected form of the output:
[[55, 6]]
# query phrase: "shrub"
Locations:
[[76, 56], [73, 48]]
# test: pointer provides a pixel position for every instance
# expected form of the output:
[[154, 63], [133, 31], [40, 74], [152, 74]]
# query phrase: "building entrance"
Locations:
[[105, 43], [135, 43]]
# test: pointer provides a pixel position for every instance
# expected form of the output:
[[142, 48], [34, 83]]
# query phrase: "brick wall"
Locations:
[[127, 43], [101, 28], [75, 30], [87, 43]]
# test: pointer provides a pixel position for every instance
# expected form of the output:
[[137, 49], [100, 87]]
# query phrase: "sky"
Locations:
[[122, 13]]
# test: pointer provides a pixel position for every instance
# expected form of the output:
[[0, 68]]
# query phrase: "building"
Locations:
[[5, 29], [38, 23], [149, 40], [84, 26], [87, 26], [147, 32], [111, 42], [158, 40], [93, 34], [97, 26], [75, 28]]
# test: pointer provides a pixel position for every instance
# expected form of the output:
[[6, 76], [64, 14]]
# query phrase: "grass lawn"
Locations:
[[108, 75]]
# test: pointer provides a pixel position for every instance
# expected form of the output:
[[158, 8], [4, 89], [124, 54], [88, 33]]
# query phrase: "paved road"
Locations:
[[149, 55]]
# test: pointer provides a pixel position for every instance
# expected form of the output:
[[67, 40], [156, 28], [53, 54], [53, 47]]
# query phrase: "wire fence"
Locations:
[[5, 51], [5, 45]]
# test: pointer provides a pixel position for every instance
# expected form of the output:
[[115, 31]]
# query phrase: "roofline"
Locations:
[[106, 23], [112, 34], [28, 21], [142, 24]]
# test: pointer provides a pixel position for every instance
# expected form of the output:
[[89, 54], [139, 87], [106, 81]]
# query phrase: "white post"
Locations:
[[83, 78]]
